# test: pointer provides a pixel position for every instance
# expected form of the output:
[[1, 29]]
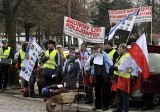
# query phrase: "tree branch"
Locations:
[[17, 4]]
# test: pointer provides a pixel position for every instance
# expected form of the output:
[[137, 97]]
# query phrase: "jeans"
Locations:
[[31, 82], [48, 76], [123, 105]]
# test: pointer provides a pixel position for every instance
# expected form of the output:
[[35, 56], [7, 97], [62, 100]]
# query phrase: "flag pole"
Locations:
[[128, 36], [151, 31], [113, 41]]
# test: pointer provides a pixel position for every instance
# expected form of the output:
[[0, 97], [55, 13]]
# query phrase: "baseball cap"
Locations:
[[4, 41], [59, 46], [45, 91]]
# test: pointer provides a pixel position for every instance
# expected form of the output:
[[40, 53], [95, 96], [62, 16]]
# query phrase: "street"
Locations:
[[11, 101]]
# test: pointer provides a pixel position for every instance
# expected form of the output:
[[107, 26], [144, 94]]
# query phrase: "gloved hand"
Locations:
[[47, 57], [133, 78], [114, 67]]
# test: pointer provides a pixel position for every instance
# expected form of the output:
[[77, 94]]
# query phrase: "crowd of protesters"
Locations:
[[111, 78]]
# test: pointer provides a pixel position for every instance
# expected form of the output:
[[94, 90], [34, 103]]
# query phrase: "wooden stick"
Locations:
[[128, 37], [151, 33]]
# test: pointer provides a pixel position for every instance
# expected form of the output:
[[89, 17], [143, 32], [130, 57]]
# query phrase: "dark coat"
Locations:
[[70, 76]]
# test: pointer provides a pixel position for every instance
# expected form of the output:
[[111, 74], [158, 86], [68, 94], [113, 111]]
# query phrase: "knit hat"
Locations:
[[108, 42], [45, 91]]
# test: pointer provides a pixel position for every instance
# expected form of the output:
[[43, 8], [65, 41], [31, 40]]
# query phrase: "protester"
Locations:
[[32, 79], [71, 72], [113, 54], [88, 70], [53, 90], [6, 53], [123, 69], [59, 70], [108, 48], [101, 77], [84, 55], [137, 69], [50, 60], [72, 52]]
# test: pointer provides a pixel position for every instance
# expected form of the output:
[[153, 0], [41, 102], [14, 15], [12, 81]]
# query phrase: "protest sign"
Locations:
[[32, 53], [144, 15], [82, 31]]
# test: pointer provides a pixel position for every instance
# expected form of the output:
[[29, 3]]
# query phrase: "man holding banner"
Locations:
[[28, 63], [50, 61], [32, 79]]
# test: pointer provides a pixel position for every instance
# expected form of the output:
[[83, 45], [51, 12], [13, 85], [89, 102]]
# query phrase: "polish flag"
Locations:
[[139, 53]]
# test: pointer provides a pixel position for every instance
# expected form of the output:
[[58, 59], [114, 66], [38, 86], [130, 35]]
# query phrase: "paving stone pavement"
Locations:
[[12, 100]]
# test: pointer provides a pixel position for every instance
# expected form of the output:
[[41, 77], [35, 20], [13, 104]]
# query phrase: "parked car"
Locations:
[[149, 91]]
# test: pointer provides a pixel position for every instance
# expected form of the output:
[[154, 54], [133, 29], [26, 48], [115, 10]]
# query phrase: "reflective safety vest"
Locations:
[[50, 63], [111, 53], [65, 55], [127, 75], [22, 55], [123, 82], [6, 53]]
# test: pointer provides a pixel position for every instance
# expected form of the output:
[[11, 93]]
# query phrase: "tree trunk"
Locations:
[[11, 30], [11, 33], [27, 29]]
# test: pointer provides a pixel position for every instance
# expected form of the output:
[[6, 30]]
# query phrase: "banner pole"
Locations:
[[63, 39], [103, 42], [128, 37], [151, 32]]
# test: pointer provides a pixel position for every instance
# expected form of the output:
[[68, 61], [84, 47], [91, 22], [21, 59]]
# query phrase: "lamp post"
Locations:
[[69, 15]]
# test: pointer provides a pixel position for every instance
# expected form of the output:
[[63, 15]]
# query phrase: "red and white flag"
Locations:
[[139, 53]]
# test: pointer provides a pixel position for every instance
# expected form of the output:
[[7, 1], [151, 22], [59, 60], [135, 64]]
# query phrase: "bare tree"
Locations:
[[9, 9]]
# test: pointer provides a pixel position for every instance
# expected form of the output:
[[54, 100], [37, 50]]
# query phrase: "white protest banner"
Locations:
[[32, 53], [144, 15], [82, 31]]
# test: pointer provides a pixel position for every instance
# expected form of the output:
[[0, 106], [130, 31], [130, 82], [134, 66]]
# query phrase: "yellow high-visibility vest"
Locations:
[[127, 75], [50, 63], [5, 53], [22, 55], [65, 55], [111, 53]]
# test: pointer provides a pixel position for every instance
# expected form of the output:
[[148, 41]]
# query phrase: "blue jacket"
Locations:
[[107, 60]]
